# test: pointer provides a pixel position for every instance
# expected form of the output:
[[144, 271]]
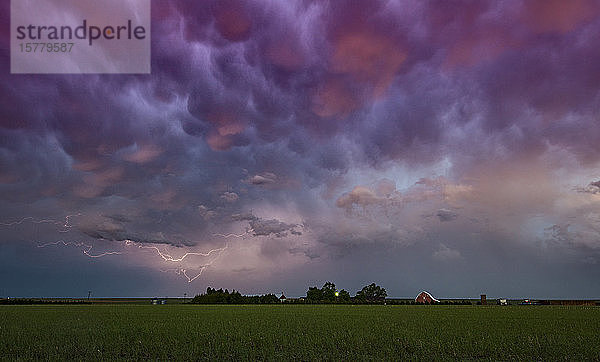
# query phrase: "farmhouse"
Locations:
[[425, 298], [282, 299]]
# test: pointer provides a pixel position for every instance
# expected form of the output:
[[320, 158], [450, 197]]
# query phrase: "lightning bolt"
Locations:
[[86, 251], [235, 235], [25, 219], [182, 271], [167, 257], [65, 225]]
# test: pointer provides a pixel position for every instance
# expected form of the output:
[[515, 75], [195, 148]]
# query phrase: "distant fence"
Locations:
[[570, 302]]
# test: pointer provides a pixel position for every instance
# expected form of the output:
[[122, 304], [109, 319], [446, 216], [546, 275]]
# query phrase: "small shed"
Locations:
[[425, 298]]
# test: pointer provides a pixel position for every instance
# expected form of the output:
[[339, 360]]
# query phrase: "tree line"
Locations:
[[327, 294], [214, 296], [369, 294]]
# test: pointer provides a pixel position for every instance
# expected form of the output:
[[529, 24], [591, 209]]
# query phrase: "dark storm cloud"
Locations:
[[288, 105], [244, 217], [310, 85], [592, 188], [268, 227], [122, 235], [118, 218], [139, 230], [446, 215], [262, 227]]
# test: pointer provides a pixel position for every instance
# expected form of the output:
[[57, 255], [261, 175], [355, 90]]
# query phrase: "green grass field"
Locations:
[[305, 332]]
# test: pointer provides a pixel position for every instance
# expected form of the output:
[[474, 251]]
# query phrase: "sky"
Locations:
[[449, 146]]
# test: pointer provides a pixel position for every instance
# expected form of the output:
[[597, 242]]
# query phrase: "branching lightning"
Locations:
[[183, 271], [86, 251], [25, 219], [167, 257], [65, 225]]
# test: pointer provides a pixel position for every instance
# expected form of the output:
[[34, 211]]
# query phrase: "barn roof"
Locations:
[[427, 294]]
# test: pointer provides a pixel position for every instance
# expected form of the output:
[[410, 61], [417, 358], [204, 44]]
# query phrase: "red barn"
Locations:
[[425, 298]]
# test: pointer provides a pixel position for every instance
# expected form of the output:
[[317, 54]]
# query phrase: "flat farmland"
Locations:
[[304, 332]]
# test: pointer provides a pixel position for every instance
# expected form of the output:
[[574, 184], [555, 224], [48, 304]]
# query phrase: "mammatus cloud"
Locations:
[[143, 154], [356, 117], [359, 196], [380, 193]]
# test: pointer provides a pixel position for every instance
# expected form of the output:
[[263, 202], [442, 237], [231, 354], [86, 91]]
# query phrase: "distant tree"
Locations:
[[236, 298], [343, 296], [328, 292], [371, 293], [314, 295], [269, 299]]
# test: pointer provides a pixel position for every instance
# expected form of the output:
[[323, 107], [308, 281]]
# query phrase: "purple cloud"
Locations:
[[351, 118]]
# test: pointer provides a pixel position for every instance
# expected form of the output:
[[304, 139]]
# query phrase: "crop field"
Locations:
[[305, 332]]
